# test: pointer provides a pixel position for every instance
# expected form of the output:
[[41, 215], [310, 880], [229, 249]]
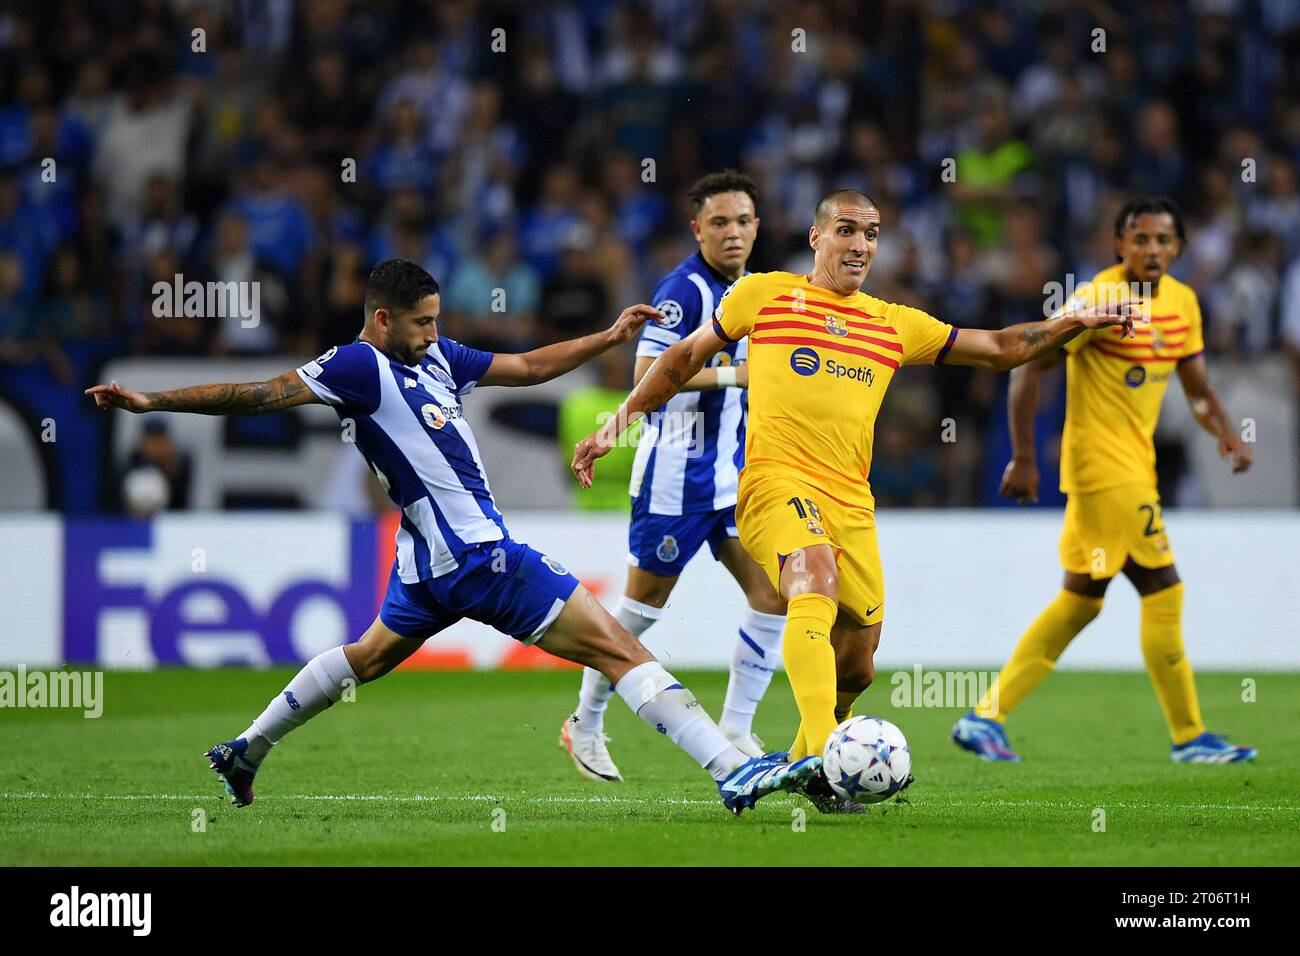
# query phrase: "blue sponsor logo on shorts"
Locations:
[[667, 550], [805, 361], [1135, 376]]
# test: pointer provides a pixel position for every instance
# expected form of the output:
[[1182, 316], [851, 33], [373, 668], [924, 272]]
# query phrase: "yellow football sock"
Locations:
[[1167, 665], [797, 749], [810, 665], [1035, 656]]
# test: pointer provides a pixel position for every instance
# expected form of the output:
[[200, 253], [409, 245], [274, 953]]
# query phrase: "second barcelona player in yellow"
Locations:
[[1113, 522]]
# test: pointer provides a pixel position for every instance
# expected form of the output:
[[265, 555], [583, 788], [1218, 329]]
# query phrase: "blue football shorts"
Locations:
[[662, 544], [504, 584]]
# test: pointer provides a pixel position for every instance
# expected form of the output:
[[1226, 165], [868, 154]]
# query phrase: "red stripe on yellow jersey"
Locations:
[[817, 379], [1115, 386]]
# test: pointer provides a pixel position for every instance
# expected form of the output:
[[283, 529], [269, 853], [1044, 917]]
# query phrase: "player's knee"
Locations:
[[653, 593], [854, 675], [646, 587], [1150, 581], [811, 578], [1085, 586], [824, 581]]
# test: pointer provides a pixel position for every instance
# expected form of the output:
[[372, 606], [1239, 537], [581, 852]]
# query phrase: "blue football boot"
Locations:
[[759, 776], [236, 771], [985, 737], [1210, 748]]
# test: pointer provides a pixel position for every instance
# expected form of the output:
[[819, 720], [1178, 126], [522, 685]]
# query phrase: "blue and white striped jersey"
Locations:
[[411, 431], [693, 448]]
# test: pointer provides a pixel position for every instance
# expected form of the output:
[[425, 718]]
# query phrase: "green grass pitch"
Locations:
[[417, 768]]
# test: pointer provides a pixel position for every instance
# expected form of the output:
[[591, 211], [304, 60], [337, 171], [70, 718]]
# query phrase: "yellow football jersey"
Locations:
[[819, 365], [1114, 386]]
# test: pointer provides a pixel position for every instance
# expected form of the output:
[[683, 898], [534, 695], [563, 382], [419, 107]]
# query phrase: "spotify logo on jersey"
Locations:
[[805, 361]]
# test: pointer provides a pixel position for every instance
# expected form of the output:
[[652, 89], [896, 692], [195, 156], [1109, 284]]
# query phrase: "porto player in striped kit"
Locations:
[[403, 387], [685, 477]]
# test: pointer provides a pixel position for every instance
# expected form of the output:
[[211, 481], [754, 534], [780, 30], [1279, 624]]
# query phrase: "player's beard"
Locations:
[[406, 354]]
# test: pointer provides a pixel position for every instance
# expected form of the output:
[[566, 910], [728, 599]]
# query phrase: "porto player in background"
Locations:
[[685, 476], [402, 385]]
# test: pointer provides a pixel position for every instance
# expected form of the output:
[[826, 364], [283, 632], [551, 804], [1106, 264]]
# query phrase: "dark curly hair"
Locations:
[[723, 181], [1142, 205], [396, 285]]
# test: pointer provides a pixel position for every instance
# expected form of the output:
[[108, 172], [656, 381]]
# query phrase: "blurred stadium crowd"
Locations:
[[556, 169]]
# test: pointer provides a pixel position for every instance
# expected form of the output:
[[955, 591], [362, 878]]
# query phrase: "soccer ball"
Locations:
[[866, 759]]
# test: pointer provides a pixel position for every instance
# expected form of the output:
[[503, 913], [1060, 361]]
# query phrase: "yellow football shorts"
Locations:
[[778, 515], [1103, 529]]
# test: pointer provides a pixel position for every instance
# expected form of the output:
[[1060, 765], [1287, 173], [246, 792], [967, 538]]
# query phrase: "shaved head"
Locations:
[[844, 237], [831, 201]]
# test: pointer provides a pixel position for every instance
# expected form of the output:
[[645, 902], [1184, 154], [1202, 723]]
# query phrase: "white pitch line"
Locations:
[[647, 802], [374, 797], [1149, 806]]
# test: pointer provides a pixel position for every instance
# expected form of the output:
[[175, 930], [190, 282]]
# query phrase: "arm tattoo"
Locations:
[[1033, 337], [250, 398], [656, 387], [658, 392]]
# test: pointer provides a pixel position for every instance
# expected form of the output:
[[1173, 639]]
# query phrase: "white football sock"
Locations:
[[315, 687], [596, 688], [754, 659], [657, 698]]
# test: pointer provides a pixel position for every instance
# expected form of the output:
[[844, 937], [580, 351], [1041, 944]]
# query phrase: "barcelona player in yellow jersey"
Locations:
[[821, 356], [1113, 523]]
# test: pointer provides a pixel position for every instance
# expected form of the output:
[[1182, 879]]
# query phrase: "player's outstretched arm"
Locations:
[[706, 379], [1004, 349], [669, 373], [1211, 414], [1020, 477], [248, 398], [552, 361]]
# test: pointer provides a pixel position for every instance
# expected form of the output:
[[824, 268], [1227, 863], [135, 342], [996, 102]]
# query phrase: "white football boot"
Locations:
[[749, 744], [588, 751]]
